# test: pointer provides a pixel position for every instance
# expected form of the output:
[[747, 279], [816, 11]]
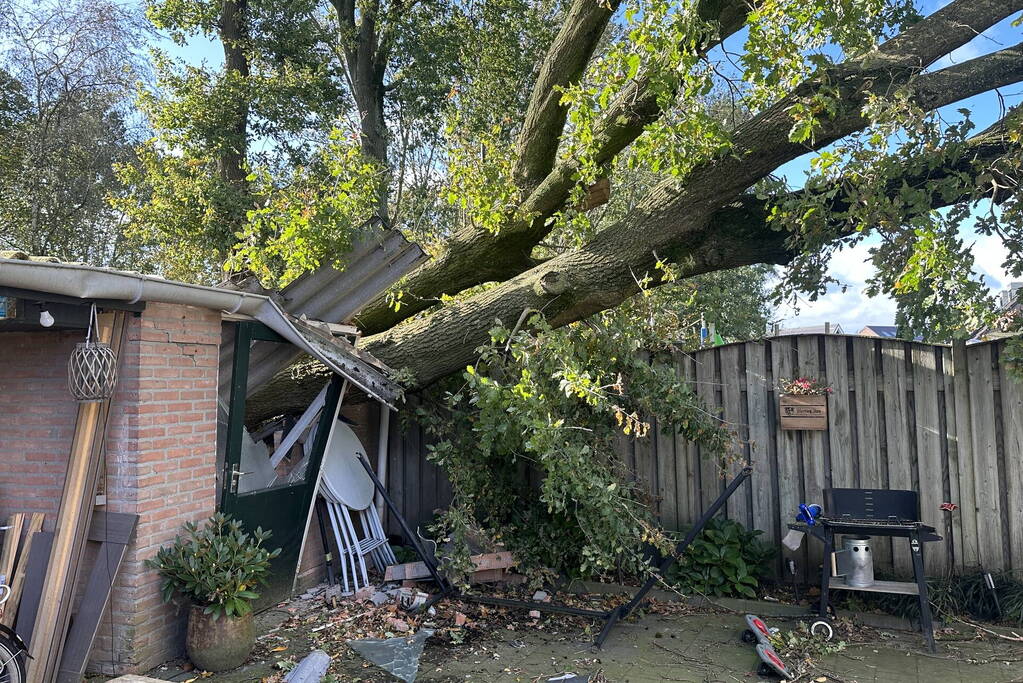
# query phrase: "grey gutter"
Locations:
[[89, 282]]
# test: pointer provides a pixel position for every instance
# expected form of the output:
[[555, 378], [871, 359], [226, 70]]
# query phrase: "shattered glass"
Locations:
[[397, 656]]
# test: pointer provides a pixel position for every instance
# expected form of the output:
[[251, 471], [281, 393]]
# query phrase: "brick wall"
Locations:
[[161, 465], [160, 456], [37, 420]]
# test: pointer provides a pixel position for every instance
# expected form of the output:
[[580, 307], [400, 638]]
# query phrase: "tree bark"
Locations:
[[233, 34], [366, 56]]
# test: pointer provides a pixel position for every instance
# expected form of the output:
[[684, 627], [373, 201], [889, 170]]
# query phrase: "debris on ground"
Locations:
[[311, 669], [397, 656]]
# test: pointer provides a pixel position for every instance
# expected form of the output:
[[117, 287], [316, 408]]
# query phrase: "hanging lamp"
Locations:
[[92, 368]]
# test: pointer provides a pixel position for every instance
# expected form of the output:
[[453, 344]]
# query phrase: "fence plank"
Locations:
[[790, 486], [692, 452], [952, 456], [868, 428], [1012, 421], [765, 511], [814, 466], [732, 379], [985, 450], [928, 449], [840, 427], [969, 511], [897, 420], [667, 487], [710, 467]]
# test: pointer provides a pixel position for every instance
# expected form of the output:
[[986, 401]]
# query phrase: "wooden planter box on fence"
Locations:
[[803, 412]]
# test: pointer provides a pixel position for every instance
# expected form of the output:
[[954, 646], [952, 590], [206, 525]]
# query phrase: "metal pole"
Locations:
[[385, 426], [427, 560], [623, 611]]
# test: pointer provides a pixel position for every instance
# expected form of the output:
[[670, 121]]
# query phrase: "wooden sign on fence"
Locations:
[[803, 412]]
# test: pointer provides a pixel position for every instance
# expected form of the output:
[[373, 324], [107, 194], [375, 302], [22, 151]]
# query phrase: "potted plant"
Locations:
[[803, 403], [215, 567]]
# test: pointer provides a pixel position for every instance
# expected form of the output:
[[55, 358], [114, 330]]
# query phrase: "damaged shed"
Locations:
[[130, 470]]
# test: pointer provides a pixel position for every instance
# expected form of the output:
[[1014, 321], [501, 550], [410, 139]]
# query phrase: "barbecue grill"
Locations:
[[875, 512]]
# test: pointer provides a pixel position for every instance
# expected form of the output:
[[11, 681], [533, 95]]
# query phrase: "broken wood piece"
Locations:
[[113, 531], [12, 537], [9, 609], [419, 570], [597, 194]]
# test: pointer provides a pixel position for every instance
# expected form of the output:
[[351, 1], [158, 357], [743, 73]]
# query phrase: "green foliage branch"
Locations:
[[549, 406]]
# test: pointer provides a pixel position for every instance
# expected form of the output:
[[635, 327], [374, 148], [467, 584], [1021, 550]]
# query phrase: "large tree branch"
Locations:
[[705, 222], [472, 257], [737, 234], [563, 65]]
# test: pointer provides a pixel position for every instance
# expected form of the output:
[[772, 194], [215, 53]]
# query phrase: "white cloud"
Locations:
[[846, 305], [853, 310]]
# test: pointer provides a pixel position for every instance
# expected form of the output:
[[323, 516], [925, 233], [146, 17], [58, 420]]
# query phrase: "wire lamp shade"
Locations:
[[92, 368]]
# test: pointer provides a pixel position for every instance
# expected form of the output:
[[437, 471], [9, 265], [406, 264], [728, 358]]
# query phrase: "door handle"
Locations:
[[235, 476]]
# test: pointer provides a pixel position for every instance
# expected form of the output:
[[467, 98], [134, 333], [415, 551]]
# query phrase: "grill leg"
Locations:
[[829, 547], [926, 625]]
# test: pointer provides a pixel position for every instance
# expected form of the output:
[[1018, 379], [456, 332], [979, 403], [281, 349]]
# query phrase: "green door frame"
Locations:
[[283, 510]]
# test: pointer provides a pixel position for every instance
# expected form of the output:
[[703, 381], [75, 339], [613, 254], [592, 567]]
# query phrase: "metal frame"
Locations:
[[609, 618], [917, 537]]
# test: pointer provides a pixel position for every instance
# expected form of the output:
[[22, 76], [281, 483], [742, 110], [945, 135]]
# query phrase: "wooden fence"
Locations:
[[947, 422]]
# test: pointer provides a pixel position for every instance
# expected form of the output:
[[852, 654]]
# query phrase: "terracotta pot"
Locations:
[[218, 645]]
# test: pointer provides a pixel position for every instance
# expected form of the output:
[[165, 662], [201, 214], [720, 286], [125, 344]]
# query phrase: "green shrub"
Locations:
[[725, 559], [216, 566]]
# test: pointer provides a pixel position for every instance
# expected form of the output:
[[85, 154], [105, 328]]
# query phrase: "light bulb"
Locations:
[[45, 319]]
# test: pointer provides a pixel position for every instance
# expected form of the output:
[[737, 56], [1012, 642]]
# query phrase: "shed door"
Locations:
[[261, 495]]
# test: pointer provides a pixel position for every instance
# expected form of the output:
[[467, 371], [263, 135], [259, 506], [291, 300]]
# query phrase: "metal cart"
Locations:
[[875, 512]]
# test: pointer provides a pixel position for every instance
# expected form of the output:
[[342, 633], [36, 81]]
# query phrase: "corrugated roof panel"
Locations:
[[331, 295]]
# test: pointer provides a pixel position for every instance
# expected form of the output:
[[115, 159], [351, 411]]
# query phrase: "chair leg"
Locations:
[[356, 550], [378, 528], [376, 553], [351, 542], [342, 547]]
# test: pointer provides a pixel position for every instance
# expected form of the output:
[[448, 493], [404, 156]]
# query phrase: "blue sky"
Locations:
[[850, 308]]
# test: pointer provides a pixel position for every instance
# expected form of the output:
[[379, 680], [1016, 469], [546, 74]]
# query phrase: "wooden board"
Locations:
[[10, 608], [692, 501], [1012, 424], [115, 531], [790, 485], [985, 451], [12, 539], [868, 427], [711, 481], [898, 587], [419, 570], [840, 428], [803, 413], [738, 505], [73, 518], [758, 411], [666, 462], [32, 591], [968, 509], [896, 437], [952, 457], [815, 474], [929, 444]]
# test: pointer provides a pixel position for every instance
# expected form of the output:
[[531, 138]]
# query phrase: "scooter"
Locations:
[[757, 631]]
